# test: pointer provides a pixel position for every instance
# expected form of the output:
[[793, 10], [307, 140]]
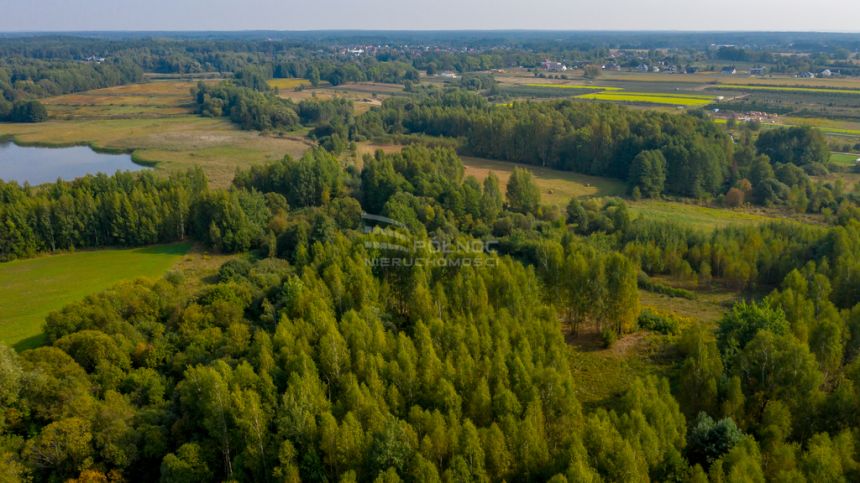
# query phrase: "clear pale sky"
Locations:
[[785, 15]]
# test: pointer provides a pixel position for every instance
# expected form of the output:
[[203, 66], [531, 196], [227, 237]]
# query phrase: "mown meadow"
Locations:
[[30, 289]]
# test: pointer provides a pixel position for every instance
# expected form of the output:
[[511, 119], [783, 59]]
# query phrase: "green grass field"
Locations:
[[31, 289], [288, 83], [844, 159], [699, 217], [602, 375]]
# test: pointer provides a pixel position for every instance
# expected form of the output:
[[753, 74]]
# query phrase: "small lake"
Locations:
[[38, 165]]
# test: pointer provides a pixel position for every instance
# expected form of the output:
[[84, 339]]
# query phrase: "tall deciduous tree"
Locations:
[[522, 193]]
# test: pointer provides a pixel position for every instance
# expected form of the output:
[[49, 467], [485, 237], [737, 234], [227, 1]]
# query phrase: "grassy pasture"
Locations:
[[823, 123], [288, 83], [153, 99], [364, 95], [844, 159], [153, 121], [557, 187], [31, 289], [699, 217]]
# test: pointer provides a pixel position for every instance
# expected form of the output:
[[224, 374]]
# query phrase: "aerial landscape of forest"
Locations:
[[429, 255]]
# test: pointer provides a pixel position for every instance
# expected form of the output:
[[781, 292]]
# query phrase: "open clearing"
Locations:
[[364, 95], [557, 187], [31, 289], [602, 375], [288, 83], [154, 122], [153, 99], [696, 216], [844, 159]]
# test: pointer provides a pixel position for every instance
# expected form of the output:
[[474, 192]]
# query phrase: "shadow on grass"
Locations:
[[31, 342], [171, 249]]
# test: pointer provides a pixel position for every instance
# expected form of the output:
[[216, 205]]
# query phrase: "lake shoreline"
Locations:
[[39, 163]]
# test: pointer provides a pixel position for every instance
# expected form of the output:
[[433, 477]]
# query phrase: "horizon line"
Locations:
[[410, 30]]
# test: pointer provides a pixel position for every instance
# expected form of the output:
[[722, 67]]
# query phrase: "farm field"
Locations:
[[818, 90], [833, 98], [153, 121], [31, 289], [650, 98], [575, 86], [631, 93], [828, 126], [738, 79]]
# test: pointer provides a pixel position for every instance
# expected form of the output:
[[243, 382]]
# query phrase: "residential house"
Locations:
[[553, 66]]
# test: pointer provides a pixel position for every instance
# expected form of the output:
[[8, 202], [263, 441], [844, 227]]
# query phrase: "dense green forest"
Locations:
[[684, 155], [303, 361], [97, 211]]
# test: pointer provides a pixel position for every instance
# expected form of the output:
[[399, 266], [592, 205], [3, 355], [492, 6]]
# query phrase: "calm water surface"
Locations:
[[38, 165]]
